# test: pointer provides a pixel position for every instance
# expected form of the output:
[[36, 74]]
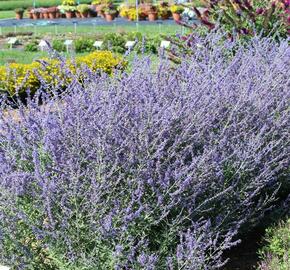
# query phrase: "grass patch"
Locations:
[[149, 30], [18, 56], [7, 14], [22, 57]]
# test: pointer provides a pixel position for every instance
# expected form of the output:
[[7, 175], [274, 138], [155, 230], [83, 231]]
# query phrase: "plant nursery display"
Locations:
[[151, 167]]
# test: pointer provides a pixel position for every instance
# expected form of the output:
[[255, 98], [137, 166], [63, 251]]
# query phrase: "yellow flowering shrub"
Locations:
[[21, 77], [100, 60]]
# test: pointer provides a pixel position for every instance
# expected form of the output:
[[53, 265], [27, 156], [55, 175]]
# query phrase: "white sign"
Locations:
[[43, 45], [129, 44], [4, 267], [98, 44], [12, 40], [165, 44], [68, 42]]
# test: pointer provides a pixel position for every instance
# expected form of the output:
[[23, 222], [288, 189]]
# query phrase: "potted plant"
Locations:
[[68, 8], [153, 13], [52, 11], [132, 14], [95, 4], [176, 12], [19, 13], [110, 14], [146, 6], [78, 14], [83, 9], [123, 10], [35, 13], [45, 13], [69, 11], [163, 11], [29, 13], [92, 11], [100, 6]]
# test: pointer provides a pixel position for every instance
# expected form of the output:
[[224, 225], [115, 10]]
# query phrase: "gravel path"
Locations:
[[89, 21]]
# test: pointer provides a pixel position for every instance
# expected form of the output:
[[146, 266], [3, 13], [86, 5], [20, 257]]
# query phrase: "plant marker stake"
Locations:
[[4, 267], [137, 16]]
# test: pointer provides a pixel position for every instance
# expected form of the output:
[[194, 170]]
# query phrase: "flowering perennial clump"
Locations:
[[19, 78], [148, 169], [247, 17]]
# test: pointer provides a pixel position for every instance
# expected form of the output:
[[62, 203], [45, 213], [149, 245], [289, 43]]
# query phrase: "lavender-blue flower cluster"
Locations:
[[157, 168]]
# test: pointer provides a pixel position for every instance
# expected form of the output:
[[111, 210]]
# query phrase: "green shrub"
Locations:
[[276, 253], [114, 42], [31, 47], [84, 45], [58, 46], [148, 45]]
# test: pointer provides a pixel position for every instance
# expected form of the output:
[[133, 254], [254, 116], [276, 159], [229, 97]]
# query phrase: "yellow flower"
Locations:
[[21, 77]]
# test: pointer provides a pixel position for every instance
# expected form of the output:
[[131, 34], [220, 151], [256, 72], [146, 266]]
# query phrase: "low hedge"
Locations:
[[114, 42], [18, 78]]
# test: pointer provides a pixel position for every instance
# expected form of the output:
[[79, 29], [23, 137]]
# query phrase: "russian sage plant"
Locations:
[[151, 169]]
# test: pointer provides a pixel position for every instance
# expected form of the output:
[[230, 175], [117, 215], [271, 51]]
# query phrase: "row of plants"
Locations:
[[18, 78], [80, 11], [6, 5], [105, 9], [114, 42], [151, 168], [163, 11]]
